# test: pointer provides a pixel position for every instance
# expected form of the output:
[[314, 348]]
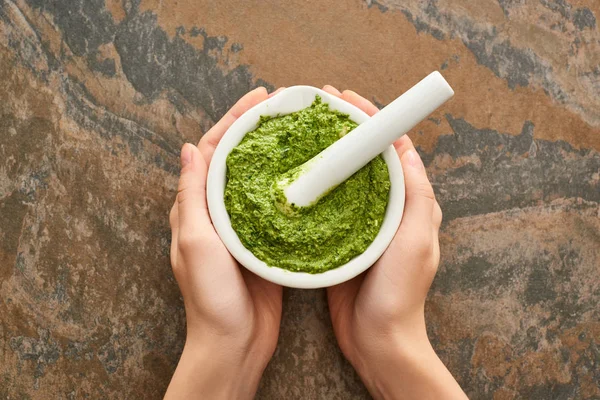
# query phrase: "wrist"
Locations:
[[386, 357], [237, 367], [217, 370], [404, 359], [407, 368], [388, 344]]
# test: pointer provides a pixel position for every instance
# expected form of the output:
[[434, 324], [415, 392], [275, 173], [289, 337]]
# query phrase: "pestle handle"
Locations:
[[343, 158]]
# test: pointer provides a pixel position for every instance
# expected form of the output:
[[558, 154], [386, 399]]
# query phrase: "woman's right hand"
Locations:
[[378, 317], [232, 315]]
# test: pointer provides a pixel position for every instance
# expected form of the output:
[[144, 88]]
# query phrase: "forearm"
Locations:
[[410, 371], [210, 372]]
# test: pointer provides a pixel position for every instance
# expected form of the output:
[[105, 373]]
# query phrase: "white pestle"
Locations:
[[343, 158]]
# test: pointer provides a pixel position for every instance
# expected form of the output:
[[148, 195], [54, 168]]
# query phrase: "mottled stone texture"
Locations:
[[98, 96]]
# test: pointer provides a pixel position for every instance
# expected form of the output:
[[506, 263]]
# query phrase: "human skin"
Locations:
[[233, 316], [379, 317]]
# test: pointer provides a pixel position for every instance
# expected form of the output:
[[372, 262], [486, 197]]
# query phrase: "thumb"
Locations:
[[191, 197], [420, 199]]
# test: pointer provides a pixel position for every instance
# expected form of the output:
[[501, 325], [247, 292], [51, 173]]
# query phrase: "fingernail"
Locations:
[[403, 141], [276, 91], [186, 154], [414, 160], [333, 89]]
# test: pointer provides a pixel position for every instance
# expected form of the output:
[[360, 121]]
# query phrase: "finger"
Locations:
[[209, 141], [437, 221], [198, 245], [174, 222], [276, 92], [331, 90], [420, 199], [436, 249], [192, 212], [437, 216], [402, 145], [360, 102]]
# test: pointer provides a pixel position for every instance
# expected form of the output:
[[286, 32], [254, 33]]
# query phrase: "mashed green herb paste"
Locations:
[[314, 239]]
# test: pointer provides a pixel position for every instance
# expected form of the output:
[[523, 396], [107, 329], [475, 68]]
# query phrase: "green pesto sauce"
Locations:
[[317, 238]]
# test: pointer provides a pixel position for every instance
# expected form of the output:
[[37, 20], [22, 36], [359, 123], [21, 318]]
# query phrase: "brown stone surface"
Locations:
[[98, 96]]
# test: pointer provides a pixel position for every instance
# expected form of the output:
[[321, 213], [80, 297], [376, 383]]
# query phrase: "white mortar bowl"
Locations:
[[287, 101]]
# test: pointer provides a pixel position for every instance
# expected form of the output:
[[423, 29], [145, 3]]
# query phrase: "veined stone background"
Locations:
[[98, 96]]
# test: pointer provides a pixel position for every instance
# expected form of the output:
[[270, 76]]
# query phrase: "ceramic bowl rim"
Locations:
[[289, 100]]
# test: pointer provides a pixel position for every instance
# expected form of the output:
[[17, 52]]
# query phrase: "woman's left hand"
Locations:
[[232, 315]]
